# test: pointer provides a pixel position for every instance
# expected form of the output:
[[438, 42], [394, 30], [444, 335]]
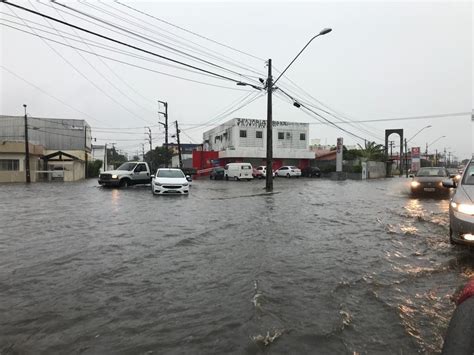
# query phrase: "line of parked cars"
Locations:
[[245, 171], [436, 181]]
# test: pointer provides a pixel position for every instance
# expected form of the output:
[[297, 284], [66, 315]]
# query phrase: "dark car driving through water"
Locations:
[[461, 208], [430, 181]]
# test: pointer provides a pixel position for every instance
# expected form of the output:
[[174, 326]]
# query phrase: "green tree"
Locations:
[[114, 158], [373, 151], [158, 157], [93, 168]]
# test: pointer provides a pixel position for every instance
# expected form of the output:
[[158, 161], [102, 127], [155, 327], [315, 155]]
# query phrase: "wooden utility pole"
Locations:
[[179, 146], [27, 150], [269, 173], [166, 128]]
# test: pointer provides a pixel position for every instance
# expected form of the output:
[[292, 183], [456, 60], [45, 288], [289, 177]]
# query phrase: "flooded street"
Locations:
[[317, 267]]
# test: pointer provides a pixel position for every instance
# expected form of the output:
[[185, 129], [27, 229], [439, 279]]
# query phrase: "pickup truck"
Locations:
[[127, 174]]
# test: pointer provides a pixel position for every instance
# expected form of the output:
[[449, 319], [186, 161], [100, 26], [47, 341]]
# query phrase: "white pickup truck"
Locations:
[[127, 174]]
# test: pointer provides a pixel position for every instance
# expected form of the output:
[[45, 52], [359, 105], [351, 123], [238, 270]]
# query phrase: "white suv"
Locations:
[[288, 171]]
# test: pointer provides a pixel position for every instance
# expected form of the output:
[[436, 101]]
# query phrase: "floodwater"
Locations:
[[319, 267]]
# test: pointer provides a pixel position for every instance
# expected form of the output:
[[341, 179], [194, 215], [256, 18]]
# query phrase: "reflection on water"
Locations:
[[318, 267]]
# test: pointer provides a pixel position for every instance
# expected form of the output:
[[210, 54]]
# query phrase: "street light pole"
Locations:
[[27, 149], [270, 86], [269, 173]]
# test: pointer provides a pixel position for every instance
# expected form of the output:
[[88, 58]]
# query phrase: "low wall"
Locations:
[[376, 170]]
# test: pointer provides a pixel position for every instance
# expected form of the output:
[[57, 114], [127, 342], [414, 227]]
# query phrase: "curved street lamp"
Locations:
[[429, 126], [321, 33], [269, 86]]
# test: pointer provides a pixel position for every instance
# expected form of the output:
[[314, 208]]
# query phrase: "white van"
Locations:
[[238, 171]]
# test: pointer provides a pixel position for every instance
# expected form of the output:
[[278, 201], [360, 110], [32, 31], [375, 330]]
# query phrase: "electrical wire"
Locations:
[[76, 69], [48, 94], [126, 63], [92, 66], [188, 31], [333, 115], [141, 35], [121, 42], [199, 48]]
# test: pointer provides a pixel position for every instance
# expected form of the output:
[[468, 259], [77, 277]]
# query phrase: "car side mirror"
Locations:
[[449, 183], [152, 176], [188, 177]]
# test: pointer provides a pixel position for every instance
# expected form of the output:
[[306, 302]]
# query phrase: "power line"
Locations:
[[92, 66], [198, 49], [298, 101], [98, 45], [48, 94], [142, 36], [443, 115], [126, 63], [121, 43], [72, 65], [188, 31]]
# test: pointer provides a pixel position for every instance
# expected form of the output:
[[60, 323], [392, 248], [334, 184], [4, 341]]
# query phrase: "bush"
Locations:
[[93, 168]]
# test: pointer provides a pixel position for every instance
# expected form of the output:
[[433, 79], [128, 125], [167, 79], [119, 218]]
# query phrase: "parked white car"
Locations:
[[169, 181], [288, 171], [261, 172]]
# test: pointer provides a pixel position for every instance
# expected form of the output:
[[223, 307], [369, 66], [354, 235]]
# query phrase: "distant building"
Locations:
[[186, 154], [242, 139], [59, 145]]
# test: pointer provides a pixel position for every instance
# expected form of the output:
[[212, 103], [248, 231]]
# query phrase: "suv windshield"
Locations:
[[127, 166], [170, 173], [431, 172], [469, 175]]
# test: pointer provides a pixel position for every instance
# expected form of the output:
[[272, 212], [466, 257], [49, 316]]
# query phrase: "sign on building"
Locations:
[[415, 159]]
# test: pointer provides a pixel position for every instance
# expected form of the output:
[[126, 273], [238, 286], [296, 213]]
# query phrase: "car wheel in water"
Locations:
[[236, 178], [288, 176], [227, 178], [451, 240], [124, 183]]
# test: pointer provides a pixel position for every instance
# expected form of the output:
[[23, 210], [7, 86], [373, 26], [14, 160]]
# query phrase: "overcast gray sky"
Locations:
[[382, 60]]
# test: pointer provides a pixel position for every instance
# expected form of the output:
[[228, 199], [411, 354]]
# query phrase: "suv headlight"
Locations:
[[415, 184], [114, 176], [157, 183], [463, 208]]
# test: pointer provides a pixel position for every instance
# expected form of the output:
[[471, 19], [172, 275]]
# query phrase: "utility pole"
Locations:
[[406, 158], [179, 146], [445, 162], [166, 127], [143, 151], [27, 149], [436, 157], [269, 174]]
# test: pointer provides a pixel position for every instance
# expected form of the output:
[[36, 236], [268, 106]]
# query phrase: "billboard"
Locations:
[[415, 159]]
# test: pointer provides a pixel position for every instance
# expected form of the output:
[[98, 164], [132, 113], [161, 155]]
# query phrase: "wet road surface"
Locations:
[[317, 267]]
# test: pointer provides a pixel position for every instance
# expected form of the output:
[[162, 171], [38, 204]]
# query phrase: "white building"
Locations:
[[242, 139]]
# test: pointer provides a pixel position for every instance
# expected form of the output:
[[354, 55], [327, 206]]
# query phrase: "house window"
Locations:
[[9, 165], [243, 134], [281, 135], [302, 136], [259, 134], [288, 135]]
